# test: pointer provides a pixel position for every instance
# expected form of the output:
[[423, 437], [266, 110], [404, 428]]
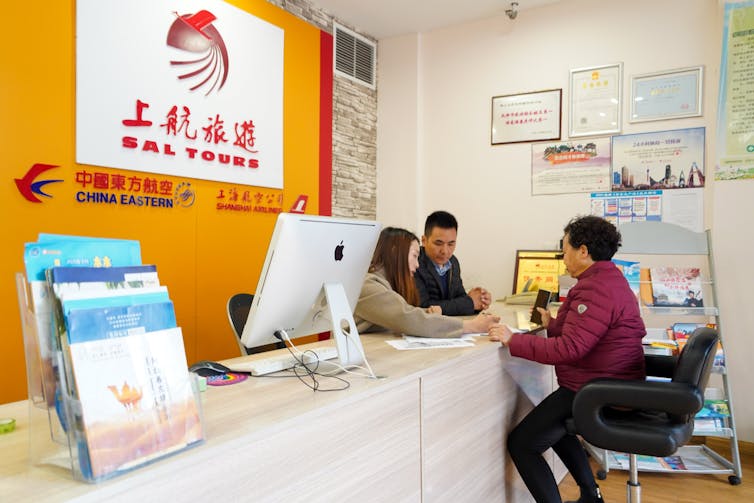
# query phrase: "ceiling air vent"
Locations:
[[354, 56]]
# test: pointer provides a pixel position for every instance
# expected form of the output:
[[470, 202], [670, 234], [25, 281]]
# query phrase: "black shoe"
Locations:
[[594, 497]]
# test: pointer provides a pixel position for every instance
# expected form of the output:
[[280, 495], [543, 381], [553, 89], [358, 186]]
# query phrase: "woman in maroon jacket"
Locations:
[[597, 333]]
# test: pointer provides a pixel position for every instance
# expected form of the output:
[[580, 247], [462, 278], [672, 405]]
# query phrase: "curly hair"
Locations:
[[391, 255], [600, 237]]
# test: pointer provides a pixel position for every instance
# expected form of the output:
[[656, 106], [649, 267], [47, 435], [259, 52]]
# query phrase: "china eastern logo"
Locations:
[[206, 65], [30, 187]]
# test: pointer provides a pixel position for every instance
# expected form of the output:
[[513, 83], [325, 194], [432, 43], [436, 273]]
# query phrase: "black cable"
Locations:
[[309, 372]]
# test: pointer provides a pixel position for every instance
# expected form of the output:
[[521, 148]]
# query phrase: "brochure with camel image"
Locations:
[[136, 400]]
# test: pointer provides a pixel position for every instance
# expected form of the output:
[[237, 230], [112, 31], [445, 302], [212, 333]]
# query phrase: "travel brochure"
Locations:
[[676, 286], [688, 458], [137, 402], [664, 286], [124, 395]]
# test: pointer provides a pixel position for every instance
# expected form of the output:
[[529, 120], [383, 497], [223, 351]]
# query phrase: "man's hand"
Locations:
[[481, 297], [480, 324]]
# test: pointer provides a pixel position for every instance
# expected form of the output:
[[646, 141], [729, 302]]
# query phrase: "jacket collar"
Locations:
[[596, 268]]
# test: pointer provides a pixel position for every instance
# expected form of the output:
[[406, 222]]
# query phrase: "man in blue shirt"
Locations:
[[438, 278]]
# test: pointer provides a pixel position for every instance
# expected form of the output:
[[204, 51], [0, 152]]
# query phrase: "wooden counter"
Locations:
[[431, 429]]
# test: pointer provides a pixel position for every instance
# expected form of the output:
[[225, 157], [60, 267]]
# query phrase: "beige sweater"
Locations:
[[381, 308]]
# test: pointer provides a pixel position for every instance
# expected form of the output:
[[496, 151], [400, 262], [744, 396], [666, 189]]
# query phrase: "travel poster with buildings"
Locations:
[[656, 176], [659, 160]]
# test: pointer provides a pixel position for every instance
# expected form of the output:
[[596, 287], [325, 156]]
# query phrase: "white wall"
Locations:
[[398, 133], [434, 106]]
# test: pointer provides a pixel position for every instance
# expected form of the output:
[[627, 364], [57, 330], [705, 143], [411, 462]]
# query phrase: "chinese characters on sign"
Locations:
[[232, 199], [114, 188], [526, 117], [192, 96], [213, 134]]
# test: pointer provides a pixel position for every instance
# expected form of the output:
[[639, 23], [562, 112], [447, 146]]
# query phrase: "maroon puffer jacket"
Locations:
[[597, 332]]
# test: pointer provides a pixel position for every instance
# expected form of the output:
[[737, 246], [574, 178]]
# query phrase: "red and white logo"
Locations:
[[207, 66], [299, 206]]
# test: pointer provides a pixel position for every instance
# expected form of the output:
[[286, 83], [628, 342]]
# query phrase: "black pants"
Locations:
[[542, 428]]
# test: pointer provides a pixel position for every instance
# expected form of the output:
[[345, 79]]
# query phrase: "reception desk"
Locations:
[[431, 428]]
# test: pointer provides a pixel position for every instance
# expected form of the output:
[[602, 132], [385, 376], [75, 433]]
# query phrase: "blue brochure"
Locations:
[[75, 251]]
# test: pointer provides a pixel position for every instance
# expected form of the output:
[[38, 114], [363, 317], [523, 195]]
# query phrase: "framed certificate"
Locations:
[[596, 96], [526, 117], [671, 94]]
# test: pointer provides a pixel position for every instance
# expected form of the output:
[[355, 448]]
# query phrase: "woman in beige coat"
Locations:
[[389, 297]]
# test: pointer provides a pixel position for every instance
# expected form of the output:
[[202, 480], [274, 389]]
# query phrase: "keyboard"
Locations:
[[281, 361]]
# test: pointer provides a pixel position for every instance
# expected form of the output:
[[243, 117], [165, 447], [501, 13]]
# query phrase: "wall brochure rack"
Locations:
[[655, 245]]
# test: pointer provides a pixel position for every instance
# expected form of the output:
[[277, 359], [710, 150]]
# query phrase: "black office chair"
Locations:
[[238, 312], [647, 417]]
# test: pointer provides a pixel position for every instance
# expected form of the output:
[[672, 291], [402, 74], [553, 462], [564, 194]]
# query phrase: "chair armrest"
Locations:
[[659, 419], [670, 397], [660, 366]]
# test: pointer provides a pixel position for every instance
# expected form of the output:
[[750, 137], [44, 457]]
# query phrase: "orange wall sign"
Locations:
[[206, 232]]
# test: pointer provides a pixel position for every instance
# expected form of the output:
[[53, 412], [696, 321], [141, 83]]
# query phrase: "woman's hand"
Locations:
[[434, 310], [480, 324], [545, 316], [500, 333]]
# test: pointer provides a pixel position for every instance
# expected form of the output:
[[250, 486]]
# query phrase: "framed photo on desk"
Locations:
[[537, 269]]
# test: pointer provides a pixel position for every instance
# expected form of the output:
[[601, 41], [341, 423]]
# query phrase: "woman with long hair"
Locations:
[[389, 299]]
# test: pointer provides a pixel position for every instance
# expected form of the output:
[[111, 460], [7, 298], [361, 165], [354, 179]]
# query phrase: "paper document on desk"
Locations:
[[411, 342]]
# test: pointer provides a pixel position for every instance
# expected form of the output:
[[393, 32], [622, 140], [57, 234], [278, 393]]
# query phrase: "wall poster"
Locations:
[[659, 160], [735, 119], [680, 207], [568, 167]]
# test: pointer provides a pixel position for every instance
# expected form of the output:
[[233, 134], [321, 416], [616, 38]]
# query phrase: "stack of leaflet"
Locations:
[[122, 391]]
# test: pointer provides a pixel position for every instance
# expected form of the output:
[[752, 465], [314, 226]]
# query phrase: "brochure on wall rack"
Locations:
[[118, 321], [54, 250], [688, 458], [64, 280], [677, 286], [136, 401]]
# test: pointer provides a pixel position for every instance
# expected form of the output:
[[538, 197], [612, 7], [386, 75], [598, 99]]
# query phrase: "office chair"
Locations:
[[239, 305], [238, 312], [659, 416]]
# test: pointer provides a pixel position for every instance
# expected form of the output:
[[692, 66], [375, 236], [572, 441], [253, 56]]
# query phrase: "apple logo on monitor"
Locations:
[[339, 252]]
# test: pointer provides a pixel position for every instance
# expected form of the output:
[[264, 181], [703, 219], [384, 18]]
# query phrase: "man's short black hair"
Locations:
[[600, 237], [441, 219]]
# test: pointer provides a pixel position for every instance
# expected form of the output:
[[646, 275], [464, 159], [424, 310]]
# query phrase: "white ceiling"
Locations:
[[389, 18]]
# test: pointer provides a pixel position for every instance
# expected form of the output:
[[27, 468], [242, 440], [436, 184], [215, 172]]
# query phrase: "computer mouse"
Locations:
[[208, 368]]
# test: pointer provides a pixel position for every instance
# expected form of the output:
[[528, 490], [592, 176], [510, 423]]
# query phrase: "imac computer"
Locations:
[[311, 281]]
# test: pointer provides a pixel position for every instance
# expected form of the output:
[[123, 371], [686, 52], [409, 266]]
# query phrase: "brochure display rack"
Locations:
[[658, 245], [109, 389]]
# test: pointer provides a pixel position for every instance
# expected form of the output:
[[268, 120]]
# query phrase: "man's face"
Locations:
[[440, 245]]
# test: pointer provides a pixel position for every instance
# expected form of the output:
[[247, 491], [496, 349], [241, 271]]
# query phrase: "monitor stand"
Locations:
[[347, 341]]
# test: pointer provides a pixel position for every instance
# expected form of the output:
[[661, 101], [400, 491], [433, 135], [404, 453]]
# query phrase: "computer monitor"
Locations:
[[311, 281]]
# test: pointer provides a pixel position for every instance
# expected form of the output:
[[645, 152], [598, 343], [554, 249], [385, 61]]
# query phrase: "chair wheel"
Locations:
[[734, 480], [602, 475]]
